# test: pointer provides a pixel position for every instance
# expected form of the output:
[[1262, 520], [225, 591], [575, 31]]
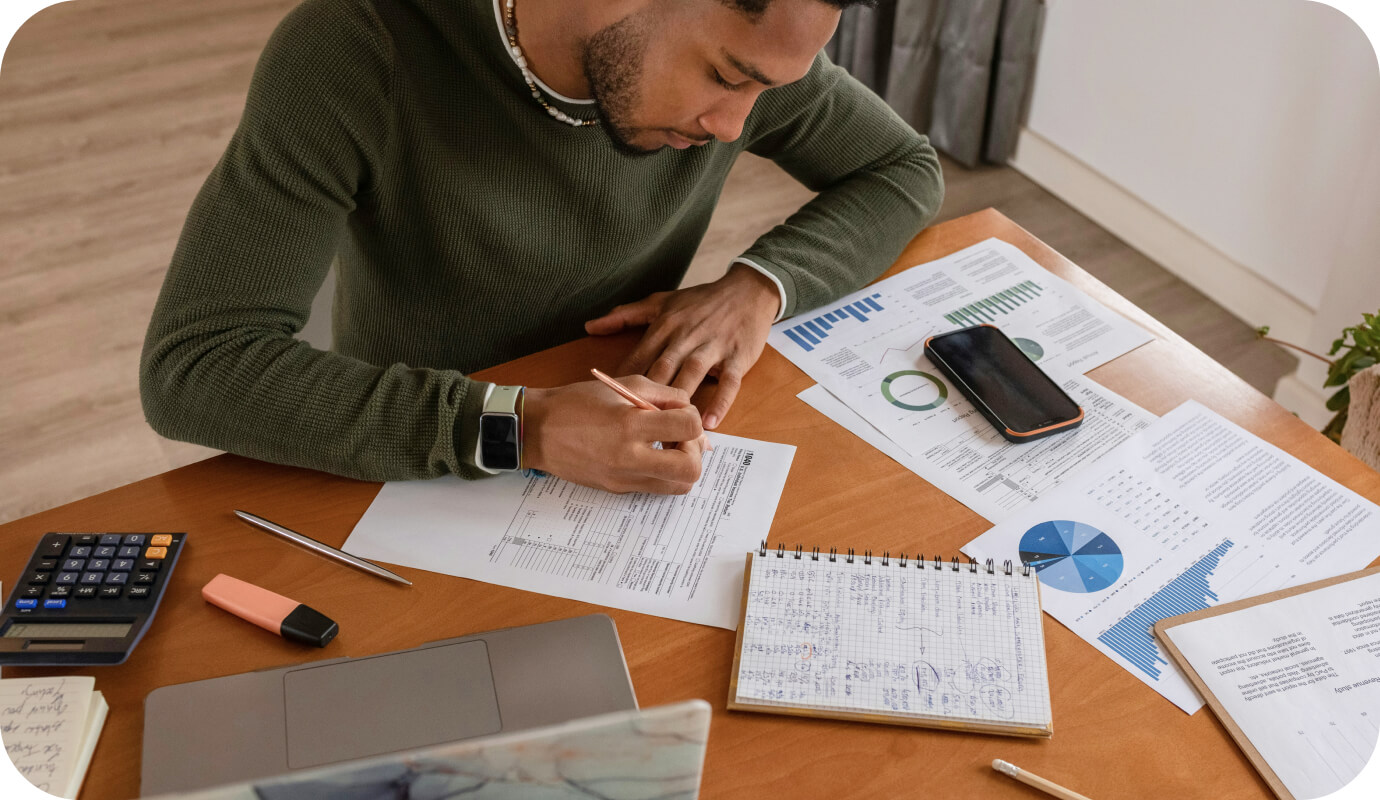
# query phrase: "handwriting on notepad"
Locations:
[[885, 639], [38, 727]]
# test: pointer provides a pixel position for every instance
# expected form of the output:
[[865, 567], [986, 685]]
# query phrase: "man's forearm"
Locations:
[[232, 382], [853, 230]]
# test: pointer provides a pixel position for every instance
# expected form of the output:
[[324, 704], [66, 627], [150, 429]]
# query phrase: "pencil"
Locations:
[[628, 394], [1048, 787], [635, 399]]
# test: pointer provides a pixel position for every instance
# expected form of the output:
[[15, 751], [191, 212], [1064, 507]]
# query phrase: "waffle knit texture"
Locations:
[[397, 138]]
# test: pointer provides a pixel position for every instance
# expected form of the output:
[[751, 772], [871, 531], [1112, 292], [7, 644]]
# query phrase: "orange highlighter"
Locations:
[[272, 612]]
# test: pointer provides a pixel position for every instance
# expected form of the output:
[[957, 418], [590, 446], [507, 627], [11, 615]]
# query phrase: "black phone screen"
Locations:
[[996, 373]]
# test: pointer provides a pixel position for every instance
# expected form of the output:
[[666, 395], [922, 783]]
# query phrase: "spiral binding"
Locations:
[[903, 560]]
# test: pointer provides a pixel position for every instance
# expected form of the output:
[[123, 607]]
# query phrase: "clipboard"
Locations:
[[1238, 735]]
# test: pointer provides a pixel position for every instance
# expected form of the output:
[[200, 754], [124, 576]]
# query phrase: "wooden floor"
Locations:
[[111, 115]]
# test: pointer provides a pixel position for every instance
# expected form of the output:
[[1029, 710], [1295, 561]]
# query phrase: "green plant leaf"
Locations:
[[1340, 400]]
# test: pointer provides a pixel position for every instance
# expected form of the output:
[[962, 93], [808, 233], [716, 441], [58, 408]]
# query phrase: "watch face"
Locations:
[[498, 441]]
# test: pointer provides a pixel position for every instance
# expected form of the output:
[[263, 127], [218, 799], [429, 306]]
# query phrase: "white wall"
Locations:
[[1234, 139]]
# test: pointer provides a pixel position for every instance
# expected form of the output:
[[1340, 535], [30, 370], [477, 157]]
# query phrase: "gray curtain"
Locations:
[[957, 70]]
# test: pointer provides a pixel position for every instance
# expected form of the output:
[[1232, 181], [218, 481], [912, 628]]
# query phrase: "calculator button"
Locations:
[[60, 591], [106, 552], [122, 564], [98, 564], [46, 565], [161, 539], [156, 552], [32, 591], [138, 592], [85, 591], [25, 604], [117, 577], [145, 577], [74, 565], [92, 577], [134, 538], [53, 544], [110, 538], [111, 591], [67, 578], [150, 566], [55, 603], [84, 539], [128, 552], [81, 551], [40, 578]]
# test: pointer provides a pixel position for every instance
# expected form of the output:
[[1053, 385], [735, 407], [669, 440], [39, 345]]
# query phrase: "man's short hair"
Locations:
[[754, 8]]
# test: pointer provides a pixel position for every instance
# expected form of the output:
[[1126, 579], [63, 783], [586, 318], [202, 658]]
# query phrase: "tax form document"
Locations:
[[1191, 512], [672, 556], [1300, 676], [990, 475]]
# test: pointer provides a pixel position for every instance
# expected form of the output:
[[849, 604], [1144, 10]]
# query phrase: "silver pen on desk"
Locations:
[[319, 548]]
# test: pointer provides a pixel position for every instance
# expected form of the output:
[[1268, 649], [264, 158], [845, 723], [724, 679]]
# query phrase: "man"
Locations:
[[496, 178]]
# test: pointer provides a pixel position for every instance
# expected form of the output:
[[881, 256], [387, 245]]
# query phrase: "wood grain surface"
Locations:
[[1113, 736]]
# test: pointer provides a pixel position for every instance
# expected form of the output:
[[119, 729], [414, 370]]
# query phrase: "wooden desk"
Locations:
[[1114, 736]]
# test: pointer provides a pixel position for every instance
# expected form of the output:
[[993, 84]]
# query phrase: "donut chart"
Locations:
[[1072, 556], [1030, 347], [906, 387]]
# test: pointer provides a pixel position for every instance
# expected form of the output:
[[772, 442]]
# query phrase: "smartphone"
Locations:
[[1015, 395]]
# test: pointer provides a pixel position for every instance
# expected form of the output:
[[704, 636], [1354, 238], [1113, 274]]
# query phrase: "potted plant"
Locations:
[[1359, 347]]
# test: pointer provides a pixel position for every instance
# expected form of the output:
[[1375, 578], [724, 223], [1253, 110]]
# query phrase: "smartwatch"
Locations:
[[500, 430]]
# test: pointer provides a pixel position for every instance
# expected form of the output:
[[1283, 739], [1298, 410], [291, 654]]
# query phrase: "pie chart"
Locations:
[[1072, 556]]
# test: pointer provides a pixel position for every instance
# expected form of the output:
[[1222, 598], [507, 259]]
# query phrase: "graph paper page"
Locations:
[[898, 640], [1191, 512], [1301, 677]]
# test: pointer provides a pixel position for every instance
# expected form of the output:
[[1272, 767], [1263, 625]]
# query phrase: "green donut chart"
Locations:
[[905, 373], [1031, 348]]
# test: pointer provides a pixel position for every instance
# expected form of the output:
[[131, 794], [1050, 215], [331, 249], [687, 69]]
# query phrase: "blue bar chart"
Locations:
[[990, 308], [1132, 637], [810, 333]]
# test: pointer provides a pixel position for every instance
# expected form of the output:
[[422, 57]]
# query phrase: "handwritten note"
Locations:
[[911, 639], [44, 723]]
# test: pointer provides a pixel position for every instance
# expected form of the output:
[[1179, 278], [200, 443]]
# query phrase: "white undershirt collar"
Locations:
[[503, 39]]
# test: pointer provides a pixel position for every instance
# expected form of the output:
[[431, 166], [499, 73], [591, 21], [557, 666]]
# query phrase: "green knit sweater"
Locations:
[[470, 228]]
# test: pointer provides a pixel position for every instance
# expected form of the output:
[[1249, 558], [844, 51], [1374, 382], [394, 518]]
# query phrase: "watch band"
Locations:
[[501, 414]]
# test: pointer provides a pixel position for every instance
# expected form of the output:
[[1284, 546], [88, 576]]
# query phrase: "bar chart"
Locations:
[[1132, 637], [810, 333], [994, 306]]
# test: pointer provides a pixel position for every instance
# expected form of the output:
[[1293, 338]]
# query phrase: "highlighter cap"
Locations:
[[309, 626]]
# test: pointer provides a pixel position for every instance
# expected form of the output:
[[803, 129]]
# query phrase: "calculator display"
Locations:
[[68, 630]]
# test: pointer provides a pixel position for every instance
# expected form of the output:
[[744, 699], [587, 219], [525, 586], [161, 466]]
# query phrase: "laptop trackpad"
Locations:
[[388, 703]]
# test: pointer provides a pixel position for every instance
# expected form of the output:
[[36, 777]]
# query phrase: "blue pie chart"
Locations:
[[1072, 556]]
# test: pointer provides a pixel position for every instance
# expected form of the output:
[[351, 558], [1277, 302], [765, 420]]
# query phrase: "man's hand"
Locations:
[[716, 329], [586, 433]]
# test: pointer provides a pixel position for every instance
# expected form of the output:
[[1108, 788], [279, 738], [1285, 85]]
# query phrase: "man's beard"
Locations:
[[612, 61]]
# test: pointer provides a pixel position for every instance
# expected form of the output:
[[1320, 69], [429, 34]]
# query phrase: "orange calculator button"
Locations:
[[161, 540], [156, 552]]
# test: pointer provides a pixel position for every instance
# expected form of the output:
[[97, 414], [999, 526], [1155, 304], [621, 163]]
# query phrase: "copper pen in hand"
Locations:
[[635, 399]]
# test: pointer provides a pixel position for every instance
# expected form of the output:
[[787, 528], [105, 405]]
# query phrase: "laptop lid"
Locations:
[[657, 752], [261, 724]]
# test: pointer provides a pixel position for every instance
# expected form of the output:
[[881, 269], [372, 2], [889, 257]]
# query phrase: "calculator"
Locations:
[[86, 598]]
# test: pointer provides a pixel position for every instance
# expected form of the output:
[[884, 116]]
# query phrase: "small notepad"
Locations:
[[50, 727], [932, 643]]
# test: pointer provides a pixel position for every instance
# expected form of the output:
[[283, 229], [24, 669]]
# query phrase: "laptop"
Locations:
[[260, 724], [656, 752]]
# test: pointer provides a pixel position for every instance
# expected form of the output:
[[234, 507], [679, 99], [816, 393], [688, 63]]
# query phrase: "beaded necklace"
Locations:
[[510, 27]]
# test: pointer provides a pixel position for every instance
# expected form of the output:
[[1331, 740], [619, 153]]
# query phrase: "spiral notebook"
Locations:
[[925, 642]]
